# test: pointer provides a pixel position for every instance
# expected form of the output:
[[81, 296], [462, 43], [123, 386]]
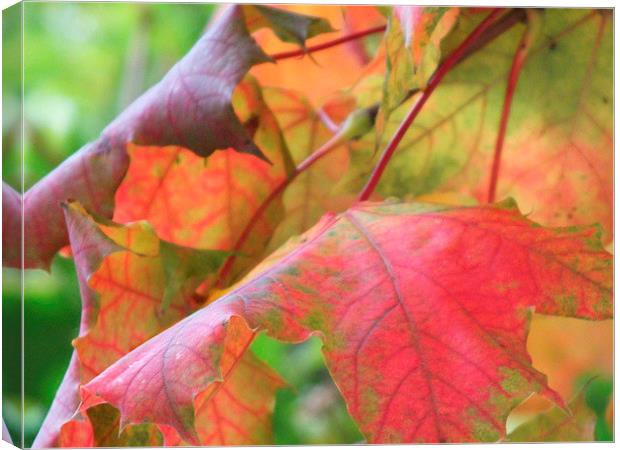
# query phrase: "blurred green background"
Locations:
[[83, 63]]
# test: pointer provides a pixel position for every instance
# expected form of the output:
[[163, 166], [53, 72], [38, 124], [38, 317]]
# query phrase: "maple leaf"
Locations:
[[403, 297], [132, 286], [190, 107], [141, 289], [86, 236], [557, 154], [556, 424], [163, 183], [413, 49], [305, 129], [226, 414], [330, 70], [412, 53]]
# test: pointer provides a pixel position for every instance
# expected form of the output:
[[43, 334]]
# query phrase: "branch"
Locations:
[[441, 72]]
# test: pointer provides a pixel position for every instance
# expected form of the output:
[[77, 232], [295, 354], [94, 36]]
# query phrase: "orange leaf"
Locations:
[[327, 71]]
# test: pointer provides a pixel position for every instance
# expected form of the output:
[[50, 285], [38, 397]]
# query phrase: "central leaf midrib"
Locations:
[[411, 323]]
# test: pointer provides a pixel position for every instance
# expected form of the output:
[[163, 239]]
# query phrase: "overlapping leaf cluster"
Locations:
[[222, 204]]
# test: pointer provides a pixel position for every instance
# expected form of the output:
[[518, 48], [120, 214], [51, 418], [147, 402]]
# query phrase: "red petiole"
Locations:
[[441, 72], [513, 78], [329, 44]]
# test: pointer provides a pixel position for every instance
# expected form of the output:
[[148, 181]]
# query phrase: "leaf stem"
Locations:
[[441, 72], [328, 44], [513, 77]]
